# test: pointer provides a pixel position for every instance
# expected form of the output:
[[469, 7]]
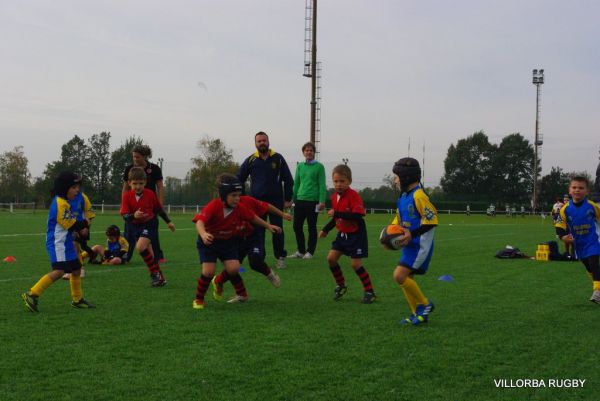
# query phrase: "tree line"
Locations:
[[476, 172]]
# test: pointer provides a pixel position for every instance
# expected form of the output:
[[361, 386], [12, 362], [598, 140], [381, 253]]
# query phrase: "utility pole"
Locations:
[[310, 61], [538, 81]]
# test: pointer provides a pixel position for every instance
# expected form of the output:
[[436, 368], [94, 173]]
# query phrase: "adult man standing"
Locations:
[[270, 181], [154, 182]]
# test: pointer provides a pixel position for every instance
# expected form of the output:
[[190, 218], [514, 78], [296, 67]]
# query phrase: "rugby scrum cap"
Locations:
[[408, 170], [229, 184], [64, 181]]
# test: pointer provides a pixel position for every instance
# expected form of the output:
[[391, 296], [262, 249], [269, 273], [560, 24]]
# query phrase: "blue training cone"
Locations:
[[446, 277], [242, 269]]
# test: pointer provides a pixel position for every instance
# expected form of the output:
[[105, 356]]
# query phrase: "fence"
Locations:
[[17, 207]]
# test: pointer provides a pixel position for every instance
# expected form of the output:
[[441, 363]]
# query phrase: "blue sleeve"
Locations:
[[244, 171], [288, 181]]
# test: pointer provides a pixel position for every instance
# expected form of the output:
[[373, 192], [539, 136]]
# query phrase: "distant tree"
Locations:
[[15, 179], [98, 165], [120, 158], [468, 166], [174, 191], [552, 185], [74, 156], [214, 158], [512, 169], [43, 185]]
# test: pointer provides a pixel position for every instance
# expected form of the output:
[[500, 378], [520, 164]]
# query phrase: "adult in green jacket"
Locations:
[[309, 199]]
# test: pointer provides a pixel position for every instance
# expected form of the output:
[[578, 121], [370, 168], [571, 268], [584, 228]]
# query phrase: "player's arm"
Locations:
[[257, 221], [207, 237], [288, 182], [561, 226], [160, 187], [277, 212], [88, 211], [158, 208], [328, 227], [65, 218]]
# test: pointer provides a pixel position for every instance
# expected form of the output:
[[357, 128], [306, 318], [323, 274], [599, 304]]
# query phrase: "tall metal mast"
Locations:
[[310, 62], [538, 81]]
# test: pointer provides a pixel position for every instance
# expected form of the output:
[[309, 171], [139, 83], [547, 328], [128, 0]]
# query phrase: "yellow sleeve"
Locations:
[[396, 221], [88, 212], [561, 222], [124, 244], [596, 209], [64, 216], [428, 212]]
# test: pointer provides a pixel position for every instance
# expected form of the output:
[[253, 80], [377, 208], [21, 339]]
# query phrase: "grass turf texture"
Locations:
[[499, 319]]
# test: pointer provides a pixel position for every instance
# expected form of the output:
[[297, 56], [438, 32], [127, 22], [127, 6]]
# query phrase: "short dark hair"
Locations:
[[261, 133], [309, 145], [581, 178], [342, 169], [136, 174], [143, 150]]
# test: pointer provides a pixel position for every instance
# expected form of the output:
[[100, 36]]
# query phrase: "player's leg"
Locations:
[[232, 266], [299, 217], [362, 273], [145, 249], [311, 222], [332, 260], [79, 301], [98, 250], [592, 265], [208, 271], [31, 297]]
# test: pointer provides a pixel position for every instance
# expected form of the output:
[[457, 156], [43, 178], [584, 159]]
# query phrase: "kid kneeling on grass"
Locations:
[[419, 217], [139, 207], [220, 226], [347, 212], [579, 224], [59, 244]]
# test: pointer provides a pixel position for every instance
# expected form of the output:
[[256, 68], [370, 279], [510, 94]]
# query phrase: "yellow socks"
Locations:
[[75, 284], [596, 285], [41, 286], [413, 293]]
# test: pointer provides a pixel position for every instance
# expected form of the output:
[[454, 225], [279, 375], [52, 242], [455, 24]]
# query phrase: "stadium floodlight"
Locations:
[[538, 80]]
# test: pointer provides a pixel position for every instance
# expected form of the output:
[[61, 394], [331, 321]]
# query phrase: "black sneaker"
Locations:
[[31, 301], [158, 280], [339, 291], [369, 297], [82, 304]]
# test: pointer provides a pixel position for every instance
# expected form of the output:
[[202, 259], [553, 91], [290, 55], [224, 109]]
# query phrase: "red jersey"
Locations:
[[348, 201], [147, 202], [257, 206], [223, 226]]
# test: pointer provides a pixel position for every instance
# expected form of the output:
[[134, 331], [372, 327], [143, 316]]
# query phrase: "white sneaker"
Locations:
[[595, 297], [307, 255], [296, 255], [280, 263], [237, 299], [274, 279]]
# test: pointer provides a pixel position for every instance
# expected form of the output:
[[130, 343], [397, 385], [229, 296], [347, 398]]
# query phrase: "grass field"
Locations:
[[499, 319]]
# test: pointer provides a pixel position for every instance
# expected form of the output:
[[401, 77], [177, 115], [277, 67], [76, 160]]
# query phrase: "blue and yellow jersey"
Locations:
[[81, 207], [583, 223], [414, 210], [118, 247], [59, 240]]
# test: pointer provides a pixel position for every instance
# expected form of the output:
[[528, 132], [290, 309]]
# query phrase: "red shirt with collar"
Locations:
[[258, 207], [147, 202], [225, 227], [347, 201]]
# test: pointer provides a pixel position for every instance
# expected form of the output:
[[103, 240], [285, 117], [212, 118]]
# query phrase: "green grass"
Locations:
[[499, 319]]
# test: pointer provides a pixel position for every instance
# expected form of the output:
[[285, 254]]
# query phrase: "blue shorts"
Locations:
[[253, 246], [417, 257], [354, 245], [68, 267], [145, 230], [227, 249]]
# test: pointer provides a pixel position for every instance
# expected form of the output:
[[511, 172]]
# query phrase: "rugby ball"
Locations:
[[391, 236]]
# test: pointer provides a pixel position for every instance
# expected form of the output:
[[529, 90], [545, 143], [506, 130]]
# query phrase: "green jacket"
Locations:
[[309, 182]]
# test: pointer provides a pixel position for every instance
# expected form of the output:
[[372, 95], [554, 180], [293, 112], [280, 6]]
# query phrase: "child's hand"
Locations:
[[139, 214], [321, 206], [407, 238], [84, 232], [207, 238], [567, 239], [171, 226], [330, 212], [287, 216], [275, 229], [322, 234]]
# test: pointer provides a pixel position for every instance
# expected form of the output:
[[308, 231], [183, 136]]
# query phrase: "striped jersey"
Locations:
[[59, 240]]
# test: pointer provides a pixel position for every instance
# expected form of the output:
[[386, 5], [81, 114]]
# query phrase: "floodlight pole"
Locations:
[[538, 81], [313, 78]]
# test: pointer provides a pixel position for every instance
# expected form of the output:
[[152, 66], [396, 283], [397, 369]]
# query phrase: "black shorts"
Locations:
[[253, 246], [145, 230], [226, 249], [68, 267], [354, 244]]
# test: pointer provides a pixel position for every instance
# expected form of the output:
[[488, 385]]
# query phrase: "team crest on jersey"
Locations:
[[274, 165], [359, 251], [591, 214], [411, 211], [68, 215], [429, 214], [148, 171]]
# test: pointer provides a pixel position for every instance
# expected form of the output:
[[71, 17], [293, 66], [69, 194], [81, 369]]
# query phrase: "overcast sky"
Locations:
[[173, 72]]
